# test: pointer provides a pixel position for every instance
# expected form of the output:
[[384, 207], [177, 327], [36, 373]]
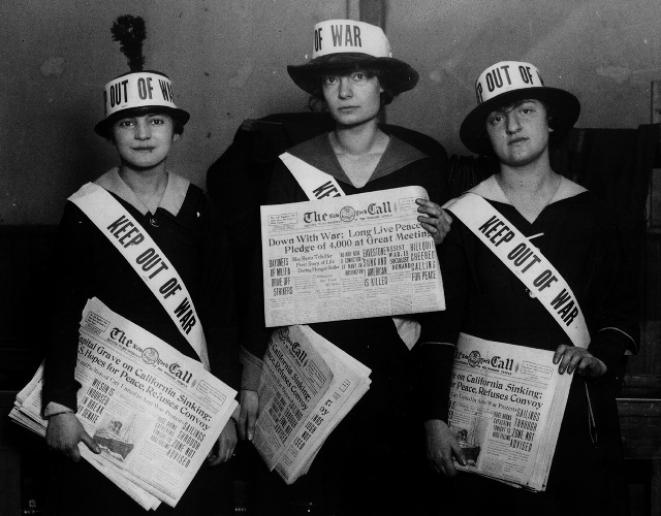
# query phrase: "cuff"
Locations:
[[54, 408]]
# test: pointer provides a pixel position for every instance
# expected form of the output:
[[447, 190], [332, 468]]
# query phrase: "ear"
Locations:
[[176, 137]]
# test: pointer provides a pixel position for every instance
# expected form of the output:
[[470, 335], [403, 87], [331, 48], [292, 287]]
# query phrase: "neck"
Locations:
[[357, 139], [143, 182], [530, 178]]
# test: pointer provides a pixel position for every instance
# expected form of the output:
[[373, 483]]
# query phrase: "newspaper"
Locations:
[[350, 257], [307, 387], [506, 408], [154, 412]]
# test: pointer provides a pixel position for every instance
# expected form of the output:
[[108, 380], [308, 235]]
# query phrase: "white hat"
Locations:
[[506, 82], [139, 91], [340, 45]]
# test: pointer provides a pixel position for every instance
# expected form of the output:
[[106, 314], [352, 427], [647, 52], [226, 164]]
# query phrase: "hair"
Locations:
[[550, 110], [387, 95], [177, 124]]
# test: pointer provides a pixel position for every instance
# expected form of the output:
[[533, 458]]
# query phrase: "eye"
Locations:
[[125, 123], [358, 76], [495, 119], [330, 80], [157, 121]]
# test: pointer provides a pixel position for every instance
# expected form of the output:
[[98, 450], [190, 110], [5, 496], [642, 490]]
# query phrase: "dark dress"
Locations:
[[88, 265], [368, 464], [485, 299]]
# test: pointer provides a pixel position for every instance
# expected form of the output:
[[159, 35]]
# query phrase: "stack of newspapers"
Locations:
[[155, 413], [308, 385], [506, 408], [334, 259]]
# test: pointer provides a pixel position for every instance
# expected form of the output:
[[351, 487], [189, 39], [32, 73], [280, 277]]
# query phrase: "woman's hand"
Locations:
[[441, 447], [63, 434], [224, 447], [572, 358], [434, 219], [249, 409]]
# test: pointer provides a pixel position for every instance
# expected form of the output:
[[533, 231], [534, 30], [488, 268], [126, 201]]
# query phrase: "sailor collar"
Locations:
[[318, 152], [490, 189], [173, 196]]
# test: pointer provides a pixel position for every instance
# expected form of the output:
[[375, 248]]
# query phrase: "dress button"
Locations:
[[153, 222]]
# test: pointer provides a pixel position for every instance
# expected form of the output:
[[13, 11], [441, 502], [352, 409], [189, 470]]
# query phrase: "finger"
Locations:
[[559, 352], [73, 453], [566, 360], [252, 418], [459, 453], [448, 464], [446, 217], [90, 443], [242, 423], [574, 361], [428, 224]]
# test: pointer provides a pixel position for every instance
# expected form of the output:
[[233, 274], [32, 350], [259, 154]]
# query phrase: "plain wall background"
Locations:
[[227, 59]]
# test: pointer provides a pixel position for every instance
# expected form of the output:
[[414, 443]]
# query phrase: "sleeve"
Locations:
[[253, 332], [614, 326], [217, 296], [71, 269], [441, 329]]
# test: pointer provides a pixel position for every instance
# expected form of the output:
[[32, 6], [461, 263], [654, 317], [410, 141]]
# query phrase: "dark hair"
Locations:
[[177, 122], [550, 112], [387, 95]]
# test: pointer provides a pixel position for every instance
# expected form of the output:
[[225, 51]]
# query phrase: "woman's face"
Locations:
[[353, 98], [144, 141]]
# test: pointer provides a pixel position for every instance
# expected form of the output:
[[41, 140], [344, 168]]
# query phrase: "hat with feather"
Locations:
[[138, 91]]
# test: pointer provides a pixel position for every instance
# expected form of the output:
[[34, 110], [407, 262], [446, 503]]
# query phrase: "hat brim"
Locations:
[[104, 127], [564, 107], [398, 75]]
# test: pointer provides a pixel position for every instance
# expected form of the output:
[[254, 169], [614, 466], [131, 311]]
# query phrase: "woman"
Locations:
[[175, 214], [515, 120], [367, 464]]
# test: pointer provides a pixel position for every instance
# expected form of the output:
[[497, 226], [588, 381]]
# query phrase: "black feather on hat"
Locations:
[[130, 32]]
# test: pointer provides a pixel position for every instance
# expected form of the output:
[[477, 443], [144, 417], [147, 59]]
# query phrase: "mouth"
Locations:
[[143, 149], [344, 109], [514, 141]]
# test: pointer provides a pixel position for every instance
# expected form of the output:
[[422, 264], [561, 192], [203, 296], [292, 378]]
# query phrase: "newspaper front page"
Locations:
[[308, 385], [154, 412], [506, 407], [350, 257]]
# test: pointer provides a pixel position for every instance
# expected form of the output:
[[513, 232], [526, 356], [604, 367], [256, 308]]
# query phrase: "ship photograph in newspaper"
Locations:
[[506, 408]]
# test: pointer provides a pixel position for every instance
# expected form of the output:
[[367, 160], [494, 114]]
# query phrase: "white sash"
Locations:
[[525, 261], [318, 184], [147, 260]]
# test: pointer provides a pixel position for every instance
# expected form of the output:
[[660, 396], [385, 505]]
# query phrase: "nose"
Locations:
[[345, 91], [142, 129], [513, 123]]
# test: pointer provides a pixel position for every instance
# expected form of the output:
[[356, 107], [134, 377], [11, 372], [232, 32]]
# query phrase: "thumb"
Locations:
[[252, 418], [90, 443]]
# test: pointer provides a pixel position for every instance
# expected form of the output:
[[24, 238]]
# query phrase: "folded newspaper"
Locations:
[[154, 412], [506, 408], [307, 387], [351, 257]]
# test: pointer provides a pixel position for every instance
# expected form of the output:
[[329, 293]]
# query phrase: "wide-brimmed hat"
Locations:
[[342, 45], [506, 82], [139, 91]]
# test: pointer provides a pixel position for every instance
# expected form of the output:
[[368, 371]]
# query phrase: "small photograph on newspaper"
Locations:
[[154, 412], [506, 407], [350, 257]]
